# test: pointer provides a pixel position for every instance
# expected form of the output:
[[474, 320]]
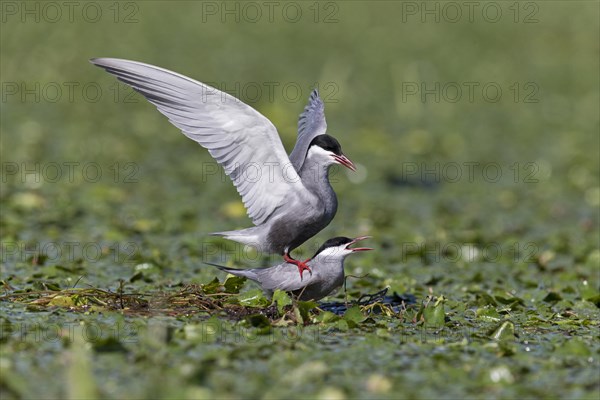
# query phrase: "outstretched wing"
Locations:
[[310, 124], [241, 139]]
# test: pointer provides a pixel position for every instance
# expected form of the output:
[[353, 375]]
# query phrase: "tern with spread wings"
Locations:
[[289, 199]]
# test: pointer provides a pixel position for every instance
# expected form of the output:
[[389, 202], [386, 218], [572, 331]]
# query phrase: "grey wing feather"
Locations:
[[283, 277], [310, 125], [241, 139]]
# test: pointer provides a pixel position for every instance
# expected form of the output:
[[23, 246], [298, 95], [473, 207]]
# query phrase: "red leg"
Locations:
[[302, 266]]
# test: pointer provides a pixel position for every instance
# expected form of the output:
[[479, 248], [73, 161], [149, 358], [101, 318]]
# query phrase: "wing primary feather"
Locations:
[[311, 124], [234, 133]]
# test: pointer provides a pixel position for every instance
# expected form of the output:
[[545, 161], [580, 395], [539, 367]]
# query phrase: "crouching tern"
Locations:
[[327, 275], [289, 199]]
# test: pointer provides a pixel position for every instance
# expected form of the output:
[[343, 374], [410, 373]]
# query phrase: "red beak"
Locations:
[[358, 239], [345, 161]]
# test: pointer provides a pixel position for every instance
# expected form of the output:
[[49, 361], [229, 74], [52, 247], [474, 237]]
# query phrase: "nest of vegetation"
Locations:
[[214, 298]]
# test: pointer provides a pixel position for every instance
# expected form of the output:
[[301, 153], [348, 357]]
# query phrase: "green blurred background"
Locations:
[[541, 132], [374, 63]]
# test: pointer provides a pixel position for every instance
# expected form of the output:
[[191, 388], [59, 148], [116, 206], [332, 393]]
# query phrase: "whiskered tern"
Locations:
[[327, 275], [289, 199]]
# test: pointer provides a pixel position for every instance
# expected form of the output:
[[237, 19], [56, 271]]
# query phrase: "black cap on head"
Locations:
[[328, 143], [336, 241]]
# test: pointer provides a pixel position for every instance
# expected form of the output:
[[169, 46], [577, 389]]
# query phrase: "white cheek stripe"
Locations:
[[316, 151], [334, 252]]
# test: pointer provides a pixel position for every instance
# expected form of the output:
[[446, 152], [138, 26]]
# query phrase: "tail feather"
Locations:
[[249, 236], [246, 273]]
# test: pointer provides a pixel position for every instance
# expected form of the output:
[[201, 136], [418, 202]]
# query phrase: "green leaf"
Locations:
[[434, 315], [488, 313], [233, 284], [327, 317], [253, 298], [282, 299], [511, 300], [212, 287], [304, 308], [354, 316], [62, 301], [506, 331], [551, 297], [298, 316], [343, 325], [486, 299]]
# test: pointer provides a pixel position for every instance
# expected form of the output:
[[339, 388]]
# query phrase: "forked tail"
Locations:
[[246, 273]]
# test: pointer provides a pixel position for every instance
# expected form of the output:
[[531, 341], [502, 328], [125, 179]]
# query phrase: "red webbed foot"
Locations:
[[302, 265]]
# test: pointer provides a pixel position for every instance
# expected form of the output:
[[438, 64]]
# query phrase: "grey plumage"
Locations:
[[288, 200], [310, 125], [327, 276]]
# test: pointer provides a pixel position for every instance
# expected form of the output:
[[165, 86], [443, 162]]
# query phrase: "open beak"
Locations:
[[345, 161], [358, 239]]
